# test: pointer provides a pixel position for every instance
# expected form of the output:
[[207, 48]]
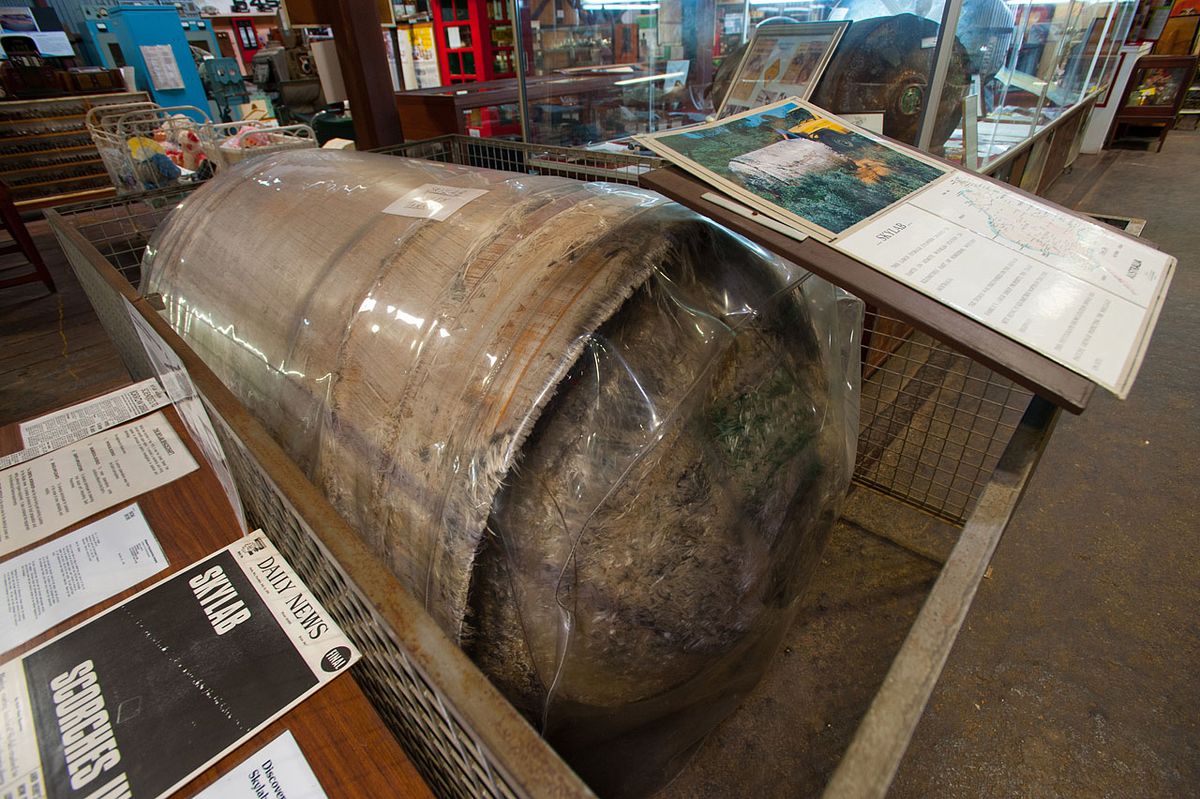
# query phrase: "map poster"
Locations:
[[136, 701], [799, 164], [1074, 290]]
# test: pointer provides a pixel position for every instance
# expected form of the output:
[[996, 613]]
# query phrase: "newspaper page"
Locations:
[[1069, 288], [137, 701], [55, 490], [51, 583], [54, 430]]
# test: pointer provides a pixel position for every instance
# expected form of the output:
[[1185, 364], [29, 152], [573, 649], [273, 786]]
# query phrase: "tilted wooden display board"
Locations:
[[1045, 296]]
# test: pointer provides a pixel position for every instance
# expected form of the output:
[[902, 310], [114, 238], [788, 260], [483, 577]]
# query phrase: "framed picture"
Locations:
[[17, 19], [1178, 36], [1157, 86], [784, 59]]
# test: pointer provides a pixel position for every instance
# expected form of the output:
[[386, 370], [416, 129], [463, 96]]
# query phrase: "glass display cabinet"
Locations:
[[1055, 58], [987, 83]]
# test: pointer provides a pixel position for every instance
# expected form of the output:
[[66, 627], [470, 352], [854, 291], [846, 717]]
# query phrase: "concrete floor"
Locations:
[[1076, 674]]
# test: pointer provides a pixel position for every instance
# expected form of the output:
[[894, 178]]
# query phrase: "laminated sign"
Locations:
[[137, 701]]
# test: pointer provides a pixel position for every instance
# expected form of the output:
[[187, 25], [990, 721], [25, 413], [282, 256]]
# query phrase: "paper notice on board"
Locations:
[[50, 584], [432, 201], [174, 679], [48, 433], [1068, 319], [278, 770], [1078, 247], [162, 67], [56, 490], [178, 384], [1071, 289]]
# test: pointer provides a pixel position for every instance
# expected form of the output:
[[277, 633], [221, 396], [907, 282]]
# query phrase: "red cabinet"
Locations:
[[474, 40]]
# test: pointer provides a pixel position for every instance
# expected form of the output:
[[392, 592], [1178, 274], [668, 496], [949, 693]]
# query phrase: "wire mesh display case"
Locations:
[[939, 432]]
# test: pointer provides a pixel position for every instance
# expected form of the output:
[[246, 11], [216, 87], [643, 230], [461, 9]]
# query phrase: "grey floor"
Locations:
[[1078, 671]]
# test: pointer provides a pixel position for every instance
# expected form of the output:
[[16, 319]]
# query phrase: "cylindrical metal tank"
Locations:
[[600, 437]]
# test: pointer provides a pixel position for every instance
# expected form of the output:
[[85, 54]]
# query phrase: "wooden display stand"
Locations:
[[1031, 369], [350, 750]]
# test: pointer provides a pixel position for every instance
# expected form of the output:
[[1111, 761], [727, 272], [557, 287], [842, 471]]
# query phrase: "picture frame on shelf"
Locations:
[[784, 59]]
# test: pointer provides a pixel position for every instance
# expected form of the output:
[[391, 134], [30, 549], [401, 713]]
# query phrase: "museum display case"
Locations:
[[1011, 71], [1046, 59], [568, 109]]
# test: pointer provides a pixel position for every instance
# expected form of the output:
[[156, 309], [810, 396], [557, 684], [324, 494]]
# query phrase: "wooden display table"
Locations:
[[350, 750]]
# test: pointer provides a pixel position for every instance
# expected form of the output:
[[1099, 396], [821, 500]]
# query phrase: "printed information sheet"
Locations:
[[1082, 295], [278, 770], [162, 66], [56, 490], [48, 433], [50, 584], [136, 701]]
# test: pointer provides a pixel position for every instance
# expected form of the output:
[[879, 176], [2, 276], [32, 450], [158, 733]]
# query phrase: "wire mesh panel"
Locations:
[[530, 159], [121, 229], [933, 422], [448, 756], [109, 303]]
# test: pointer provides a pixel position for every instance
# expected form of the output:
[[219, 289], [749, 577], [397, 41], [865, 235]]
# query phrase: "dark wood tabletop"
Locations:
[[350, 750]]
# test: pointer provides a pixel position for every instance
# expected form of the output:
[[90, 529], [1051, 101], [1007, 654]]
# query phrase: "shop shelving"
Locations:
[[46, 154], [474, 40]]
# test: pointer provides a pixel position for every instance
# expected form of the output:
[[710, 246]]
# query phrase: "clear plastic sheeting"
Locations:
[[601, 438]]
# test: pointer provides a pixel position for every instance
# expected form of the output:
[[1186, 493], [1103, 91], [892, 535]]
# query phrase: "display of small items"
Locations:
[[175, 145]]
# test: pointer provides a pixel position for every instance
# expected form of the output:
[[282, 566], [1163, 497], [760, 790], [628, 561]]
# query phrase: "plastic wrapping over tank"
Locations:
[[602, 439]]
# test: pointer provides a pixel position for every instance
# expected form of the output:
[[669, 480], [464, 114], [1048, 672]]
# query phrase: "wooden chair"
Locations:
[[22, 242]]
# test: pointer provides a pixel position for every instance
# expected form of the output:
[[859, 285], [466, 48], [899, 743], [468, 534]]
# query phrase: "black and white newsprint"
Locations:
[[136, 701]]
